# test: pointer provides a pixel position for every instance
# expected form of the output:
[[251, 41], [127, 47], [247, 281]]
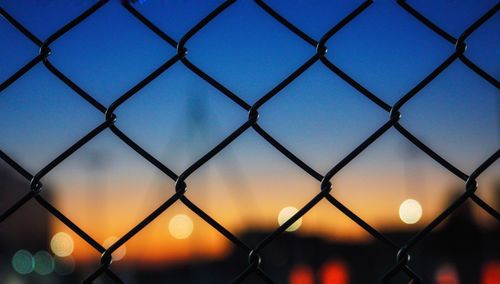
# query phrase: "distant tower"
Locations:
[[197, 122]]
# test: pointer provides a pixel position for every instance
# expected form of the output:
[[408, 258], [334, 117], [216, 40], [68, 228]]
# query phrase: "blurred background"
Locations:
[[249, 187]]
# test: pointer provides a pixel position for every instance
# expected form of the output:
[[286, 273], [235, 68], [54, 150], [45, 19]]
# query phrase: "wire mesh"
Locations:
[[401, 253]]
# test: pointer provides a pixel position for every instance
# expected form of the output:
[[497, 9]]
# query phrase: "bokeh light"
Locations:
[[62, 244], [64, 265], [410, 211], [447, 274], [491, 272], [301, 274], [180, 226], [44, 263], [119, 253], [285, 214], [335, 272], [23, 262]]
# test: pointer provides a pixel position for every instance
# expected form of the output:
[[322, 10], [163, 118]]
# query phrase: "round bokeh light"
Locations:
[[23, 262], [285, 214], [180, 226], [410, 211], [44, 263], [62, 244], [64, 265]]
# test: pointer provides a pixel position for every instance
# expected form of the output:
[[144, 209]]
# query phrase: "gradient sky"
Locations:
[[320, 118]]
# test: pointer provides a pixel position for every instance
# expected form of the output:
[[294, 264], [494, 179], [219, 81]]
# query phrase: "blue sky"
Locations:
[[178, 117]]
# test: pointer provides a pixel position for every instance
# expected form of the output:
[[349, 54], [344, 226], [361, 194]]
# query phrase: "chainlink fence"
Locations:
[[401, 253]]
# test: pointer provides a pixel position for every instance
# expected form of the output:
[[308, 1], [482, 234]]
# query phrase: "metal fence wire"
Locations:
[[401, 253]]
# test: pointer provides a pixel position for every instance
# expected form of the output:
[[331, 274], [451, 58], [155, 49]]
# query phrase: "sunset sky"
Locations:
[[106, 188]]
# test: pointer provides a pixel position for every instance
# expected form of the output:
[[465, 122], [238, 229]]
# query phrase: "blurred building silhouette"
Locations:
[[458, 251], [27, 228]]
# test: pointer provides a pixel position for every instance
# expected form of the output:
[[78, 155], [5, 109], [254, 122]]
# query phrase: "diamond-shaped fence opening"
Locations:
[[253, 251]]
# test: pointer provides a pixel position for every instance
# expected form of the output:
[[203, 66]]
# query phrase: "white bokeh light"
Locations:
[[285, 214], [62, 244], [410, 211], [180, 226]]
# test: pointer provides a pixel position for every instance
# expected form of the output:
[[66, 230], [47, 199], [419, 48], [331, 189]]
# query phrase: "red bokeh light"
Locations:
[[301, 275], [491, 273], [334, 272], [447, 274]]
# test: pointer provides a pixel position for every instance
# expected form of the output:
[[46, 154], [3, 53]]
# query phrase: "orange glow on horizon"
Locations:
[[115, 215]]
